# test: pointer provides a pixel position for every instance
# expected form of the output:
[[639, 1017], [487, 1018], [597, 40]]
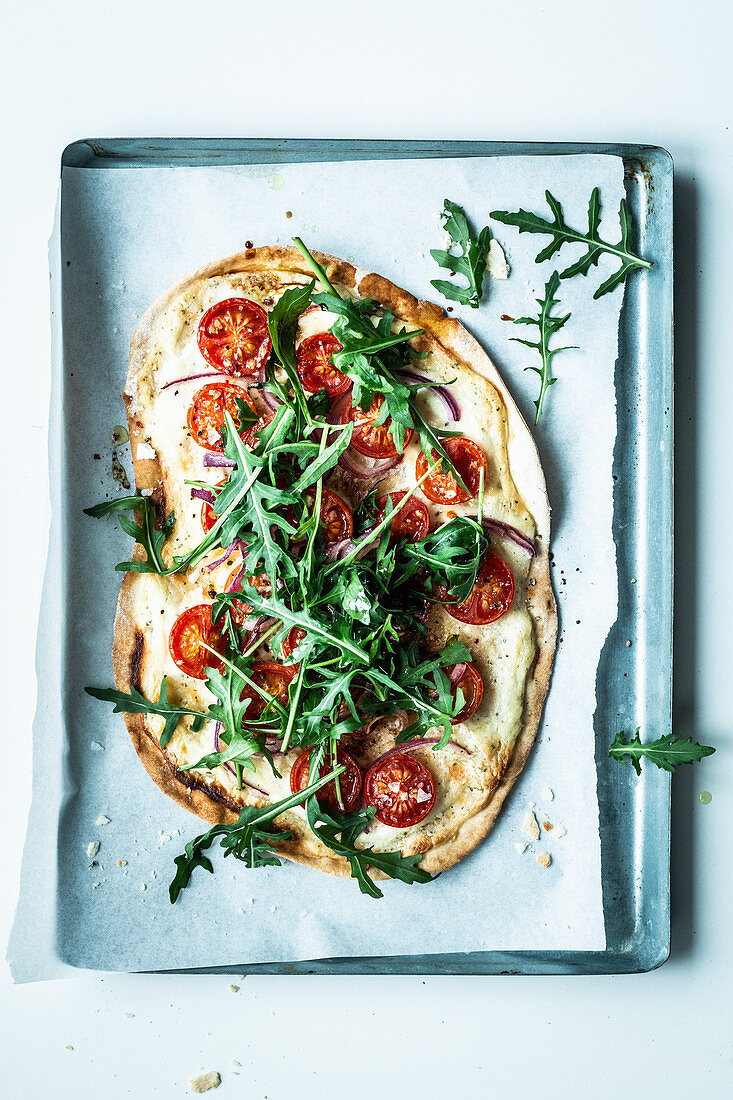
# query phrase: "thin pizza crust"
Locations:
[[203, 795]]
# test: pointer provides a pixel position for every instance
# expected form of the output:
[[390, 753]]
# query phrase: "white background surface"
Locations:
[[654, 72]]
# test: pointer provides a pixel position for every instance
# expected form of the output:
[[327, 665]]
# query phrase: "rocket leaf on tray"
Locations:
[[562, 233], [471, 264], [547, 326], [667, 752]]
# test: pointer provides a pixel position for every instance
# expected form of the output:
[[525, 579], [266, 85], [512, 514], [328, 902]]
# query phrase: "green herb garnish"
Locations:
[[471, 263], [562, 233], [666, 752], [547, 327]]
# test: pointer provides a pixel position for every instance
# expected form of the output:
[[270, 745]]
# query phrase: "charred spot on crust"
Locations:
[[136, 660]]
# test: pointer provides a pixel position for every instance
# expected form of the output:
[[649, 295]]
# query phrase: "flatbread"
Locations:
[[514, 654]]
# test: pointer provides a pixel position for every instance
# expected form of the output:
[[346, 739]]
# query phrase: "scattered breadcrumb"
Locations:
[[96, 747], [530, 827], [561, 831], [92, 848], [628, 643], [205, 1081], [102, 820], [68, 1047], [521, 846], [496, 264], [129, 1015], [546, 825], [234, 988], [163, 839], [143, 886], [549, 795], [544, 859], [122, 863], [95, 885]]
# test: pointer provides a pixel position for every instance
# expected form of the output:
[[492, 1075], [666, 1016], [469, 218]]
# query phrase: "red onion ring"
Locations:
[[206, 374], [454, 409], [213, 459], [360, 466], [204, 494], [339, 549], [236, 545], [511, 533], [418, 743], [456, 674], [273, 403]]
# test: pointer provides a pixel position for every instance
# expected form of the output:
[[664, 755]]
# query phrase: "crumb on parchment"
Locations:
[[102, 820], [205, 1081], [521, 846], [544, 859], [561, 831], [530, 827], [92, 848]]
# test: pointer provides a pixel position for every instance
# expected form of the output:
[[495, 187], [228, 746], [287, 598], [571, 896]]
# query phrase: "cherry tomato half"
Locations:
[[273, 678], [292, 641], [261, 583], [251, 436], [469, 460], [233, 337], [206, 414], [412, 522], [208, 515], [401, 788], [369, 439], [472, 687], [315, 368], [489, 599], [337, 519], [349, 782], [192, 627]]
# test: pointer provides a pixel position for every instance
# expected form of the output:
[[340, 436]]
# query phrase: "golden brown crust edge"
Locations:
[[457, 342]]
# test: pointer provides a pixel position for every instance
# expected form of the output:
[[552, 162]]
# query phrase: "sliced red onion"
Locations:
[[456, 673], [236, 545], [454, 409], [214, 459], [511, 533], [358, 465], [206, 374], [419, 743], [339, 549], [273, 403], [204, 494]]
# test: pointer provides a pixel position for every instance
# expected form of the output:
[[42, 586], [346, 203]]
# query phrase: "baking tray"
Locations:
[[634, 684]]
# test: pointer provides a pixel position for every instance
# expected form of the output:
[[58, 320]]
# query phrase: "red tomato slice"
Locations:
[[472, 687], [412, 522], [208, 515], [337, 519], [233, 337], [489, 599], [315, 368], [292, 641], [273, 678], [349, 782], [401, 788], [192, 627], [369, 439], [206, 414], [441, 487]]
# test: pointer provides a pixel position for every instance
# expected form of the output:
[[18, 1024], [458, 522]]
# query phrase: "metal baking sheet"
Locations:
[[634, 814]]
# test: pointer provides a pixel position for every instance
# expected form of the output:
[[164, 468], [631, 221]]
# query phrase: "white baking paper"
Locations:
[[126, 235]]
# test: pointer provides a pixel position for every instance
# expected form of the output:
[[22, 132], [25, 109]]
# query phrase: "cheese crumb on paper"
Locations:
[[530, 827], [205, 1081], [561, 831], [496, 264], [521, 846], [102, 820], [92, 848]]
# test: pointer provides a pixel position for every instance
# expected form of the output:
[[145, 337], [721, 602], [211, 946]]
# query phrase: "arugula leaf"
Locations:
[[247, 839], [471, 263], [136, 703], [146, 532], [282, 323], [666, 752], [338, 831], [452, 554], [561, 234], [547, 327]]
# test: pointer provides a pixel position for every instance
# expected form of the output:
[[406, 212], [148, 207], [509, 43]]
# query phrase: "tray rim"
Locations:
[[649, 945]]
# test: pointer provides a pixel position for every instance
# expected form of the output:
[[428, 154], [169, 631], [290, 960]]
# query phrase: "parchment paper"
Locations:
[[126, 235]]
